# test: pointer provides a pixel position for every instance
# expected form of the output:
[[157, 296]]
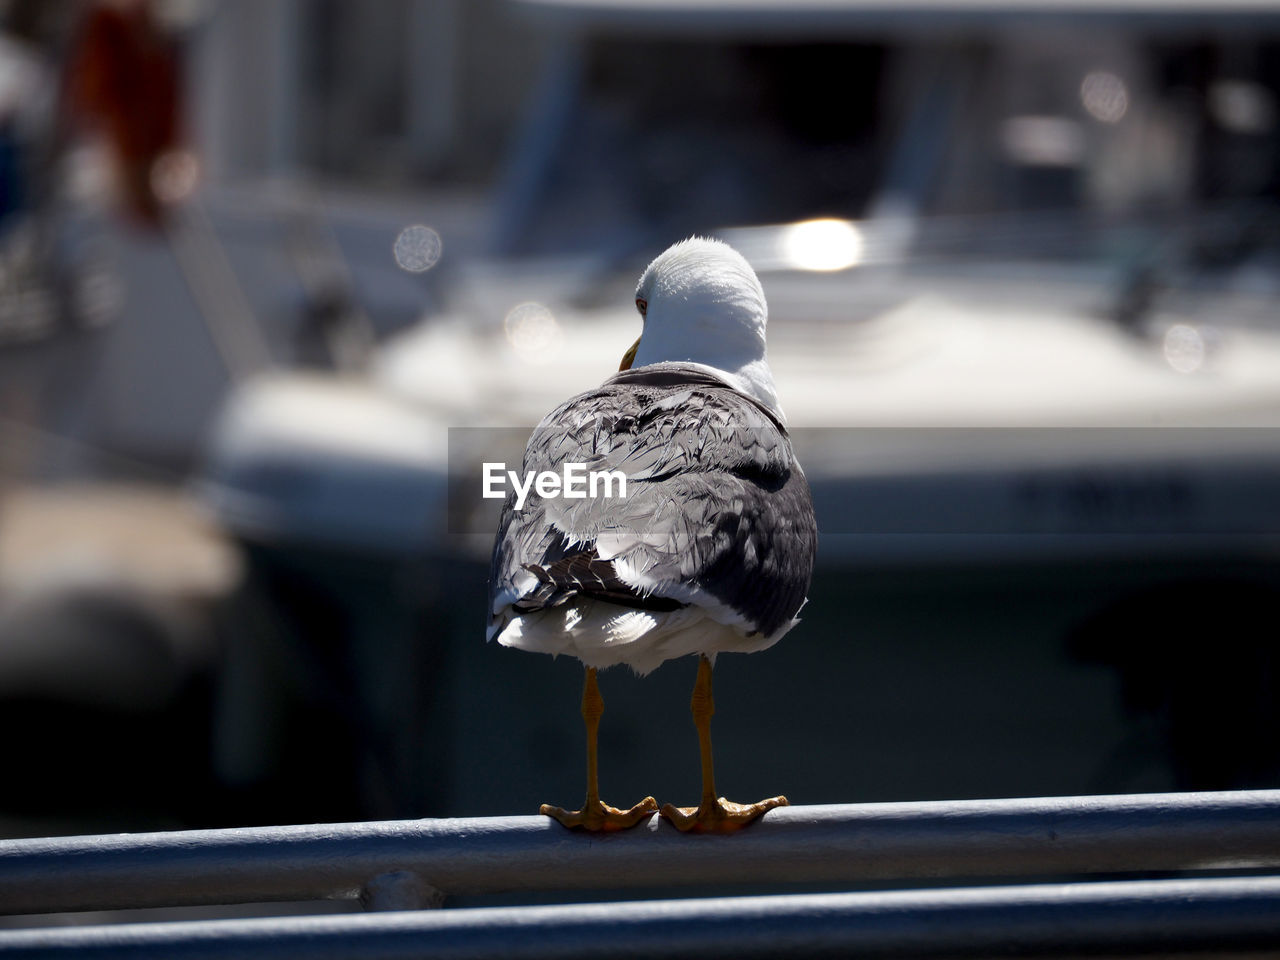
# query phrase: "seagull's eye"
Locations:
[[642, 305]]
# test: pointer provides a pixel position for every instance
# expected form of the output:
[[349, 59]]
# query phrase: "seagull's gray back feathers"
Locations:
[[717, 513]]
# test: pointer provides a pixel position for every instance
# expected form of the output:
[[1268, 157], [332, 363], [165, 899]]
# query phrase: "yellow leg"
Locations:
[[595, 815], [714, 814]]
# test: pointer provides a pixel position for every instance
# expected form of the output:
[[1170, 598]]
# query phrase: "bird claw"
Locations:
[[599, 817], [718, 816]]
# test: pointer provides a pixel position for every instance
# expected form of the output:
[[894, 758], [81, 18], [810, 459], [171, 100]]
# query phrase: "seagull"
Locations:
[[710, 550]]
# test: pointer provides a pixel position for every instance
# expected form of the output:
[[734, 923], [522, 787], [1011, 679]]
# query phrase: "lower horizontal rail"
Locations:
[[1233, 917], [969, 839]]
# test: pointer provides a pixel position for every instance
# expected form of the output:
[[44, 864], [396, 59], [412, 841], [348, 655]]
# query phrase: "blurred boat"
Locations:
[[1022, 289]]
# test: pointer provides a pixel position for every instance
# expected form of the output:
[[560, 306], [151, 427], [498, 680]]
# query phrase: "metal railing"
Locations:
[[412, 864], [1160, 918]]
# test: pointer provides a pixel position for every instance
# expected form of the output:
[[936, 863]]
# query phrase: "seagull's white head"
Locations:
[[702, 303]]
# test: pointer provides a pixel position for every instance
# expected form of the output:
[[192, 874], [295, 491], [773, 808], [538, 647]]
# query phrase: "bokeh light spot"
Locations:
[[1184, 348], [418, 248], [533, 332], [174, 175], [822, 245], [1105, 96]]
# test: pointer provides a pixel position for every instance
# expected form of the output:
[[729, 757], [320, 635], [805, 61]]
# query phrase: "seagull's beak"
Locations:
[[629, 357]]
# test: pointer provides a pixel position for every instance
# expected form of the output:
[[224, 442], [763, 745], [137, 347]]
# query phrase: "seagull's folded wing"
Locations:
[[716, 512]]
